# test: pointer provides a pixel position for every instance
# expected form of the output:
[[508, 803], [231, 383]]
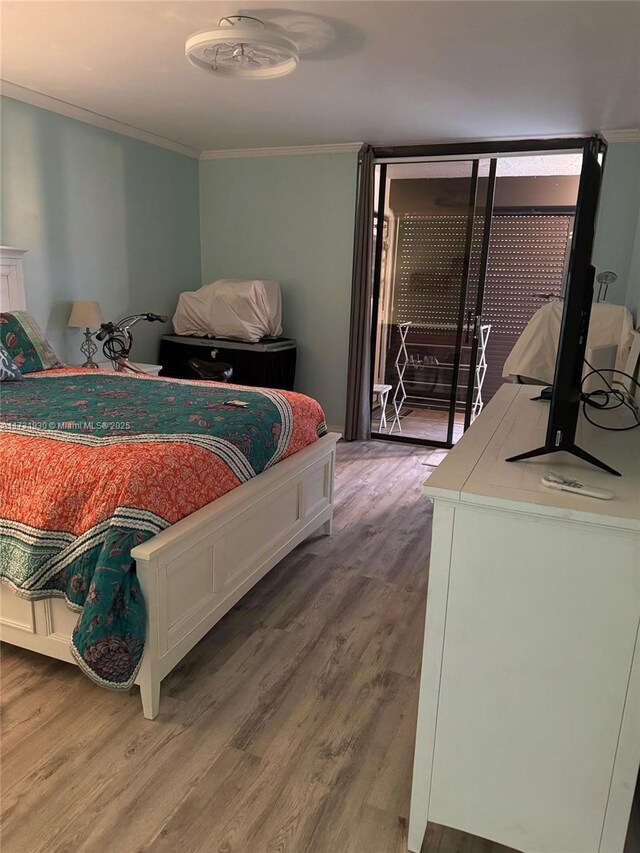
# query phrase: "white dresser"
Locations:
[[529, 718]]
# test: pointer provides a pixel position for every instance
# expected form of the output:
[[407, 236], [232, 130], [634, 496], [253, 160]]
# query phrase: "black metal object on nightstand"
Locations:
[[215, 371]]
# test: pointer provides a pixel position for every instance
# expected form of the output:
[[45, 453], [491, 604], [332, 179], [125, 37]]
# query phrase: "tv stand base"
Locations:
[[573, 449]]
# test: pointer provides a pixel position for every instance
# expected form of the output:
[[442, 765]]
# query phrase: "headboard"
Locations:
[[12, 296]]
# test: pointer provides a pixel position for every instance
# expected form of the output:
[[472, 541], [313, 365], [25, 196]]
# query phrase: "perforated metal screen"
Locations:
[[526, 267], [429, 266], [527, 255]]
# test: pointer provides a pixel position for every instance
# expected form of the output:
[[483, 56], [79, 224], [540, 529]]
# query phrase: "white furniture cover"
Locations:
[[534, 354], [226, 308]]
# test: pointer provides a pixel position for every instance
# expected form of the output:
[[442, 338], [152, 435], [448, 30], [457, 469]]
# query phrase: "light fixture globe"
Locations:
[[243, 47]]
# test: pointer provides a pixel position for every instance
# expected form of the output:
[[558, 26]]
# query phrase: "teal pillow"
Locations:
[[22, 338], [9, 370]]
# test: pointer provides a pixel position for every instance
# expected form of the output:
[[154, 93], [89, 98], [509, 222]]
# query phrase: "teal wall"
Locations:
[[617, 223], [103, 216], [130, 224], [289, 219]]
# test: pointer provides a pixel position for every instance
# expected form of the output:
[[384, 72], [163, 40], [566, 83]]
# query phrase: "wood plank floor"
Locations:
[[288, 729]]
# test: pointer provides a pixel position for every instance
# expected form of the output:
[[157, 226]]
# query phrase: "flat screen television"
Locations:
[[578, 296]]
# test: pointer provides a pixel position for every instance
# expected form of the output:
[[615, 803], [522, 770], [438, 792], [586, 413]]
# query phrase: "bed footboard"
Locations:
[[194, 572]]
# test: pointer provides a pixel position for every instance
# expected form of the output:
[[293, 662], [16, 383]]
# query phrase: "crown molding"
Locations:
[[630, 135], [284, 151], [63, 108], [48, 102]]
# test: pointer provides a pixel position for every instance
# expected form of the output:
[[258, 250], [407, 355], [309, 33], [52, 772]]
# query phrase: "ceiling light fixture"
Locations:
[[244, 47]]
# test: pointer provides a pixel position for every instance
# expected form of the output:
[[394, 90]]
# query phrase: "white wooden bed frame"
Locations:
[[193, 572]]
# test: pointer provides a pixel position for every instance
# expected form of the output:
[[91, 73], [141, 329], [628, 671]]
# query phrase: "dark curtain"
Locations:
[[358, 420]]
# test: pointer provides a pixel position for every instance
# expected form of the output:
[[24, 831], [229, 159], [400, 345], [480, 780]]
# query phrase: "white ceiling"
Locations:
[[388, 72]]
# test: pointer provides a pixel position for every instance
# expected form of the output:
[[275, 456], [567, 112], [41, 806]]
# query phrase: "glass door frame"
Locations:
[[473, 151], [462, 306], [472, 208], [482, 280]]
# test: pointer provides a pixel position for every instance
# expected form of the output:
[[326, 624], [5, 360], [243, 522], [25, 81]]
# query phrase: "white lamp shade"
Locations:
[[85, 315]]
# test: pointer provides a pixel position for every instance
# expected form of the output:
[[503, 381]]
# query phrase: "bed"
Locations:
[[258, 498]]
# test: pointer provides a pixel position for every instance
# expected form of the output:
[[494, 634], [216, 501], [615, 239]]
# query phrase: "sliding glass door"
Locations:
[[433, 222], [468, 247]]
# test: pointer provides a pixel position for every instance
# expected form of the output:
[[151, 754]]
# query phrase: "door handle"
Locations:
[[476, 330]]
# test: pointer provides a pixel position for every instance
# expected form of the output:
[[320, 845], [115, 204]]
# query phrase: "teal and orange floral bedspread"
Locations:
[[92, 464]]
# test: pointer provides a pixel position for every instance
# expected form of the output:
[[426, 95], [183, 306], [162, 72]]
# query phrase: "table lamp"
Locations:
[[86, 315]]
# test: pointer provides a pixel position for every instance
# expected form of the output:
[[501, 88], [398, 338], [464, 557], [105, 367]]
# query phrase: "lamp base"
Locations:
[[89, 349]]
